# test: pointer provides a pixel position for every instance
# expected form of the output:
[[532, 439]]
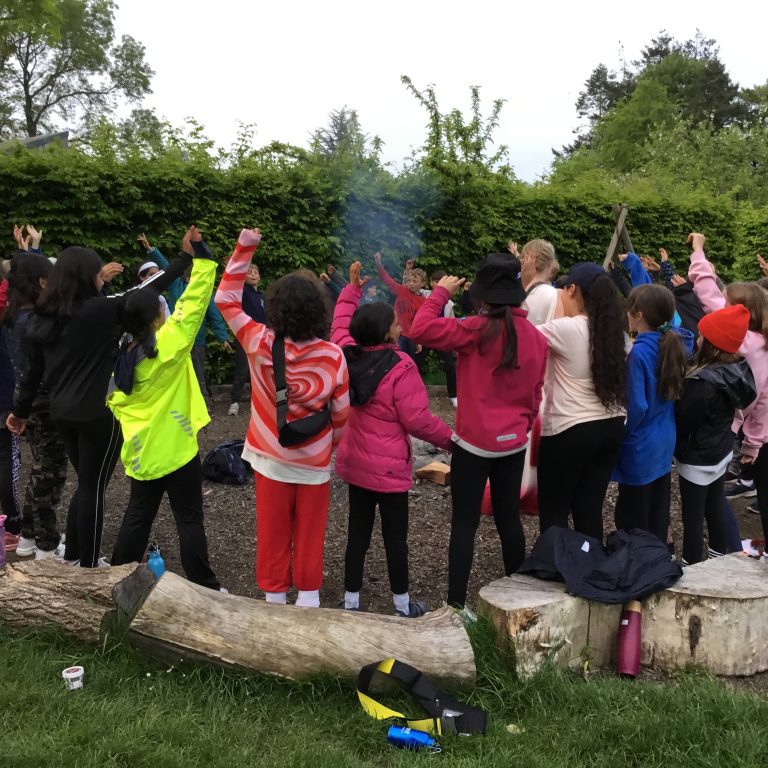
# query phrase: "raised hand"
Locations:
[[324, 278], [696, 240], [410, 263], [249, 237], [330, 270], [110, 271], [195, 235], [377, 258], [512, 248], [650, 264], [35, 236], [663, 254], [677, 280], [623, 256], [186, 242], [763, 264], [354, 274], [451, 283], [142, 238], [21, 240]]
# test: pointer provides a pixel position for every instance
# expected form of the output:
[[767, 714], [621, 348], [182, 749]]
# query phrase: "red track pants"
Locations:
[[290, 514]]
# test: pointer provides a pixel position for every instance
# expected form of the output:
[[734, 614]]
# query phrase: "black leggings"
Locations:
[[242, 373], [92, 447], [760, 473], [573, 472], [699, 503], [645, 506], [469, 474], [393, 508], [185, 493]]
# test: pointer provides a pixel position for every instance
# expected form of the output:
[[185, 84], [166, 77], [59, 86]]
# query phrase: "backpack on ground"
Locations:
[[224, 464]]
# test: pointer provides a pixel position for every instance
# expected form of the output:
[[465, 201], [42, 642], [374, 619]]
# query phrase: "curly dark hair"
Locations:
[[607, 317], [298, 308]]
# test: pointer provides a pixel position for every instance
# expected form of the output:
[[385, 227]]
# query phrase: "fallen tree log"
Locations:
[[47, 593], [180, 620]]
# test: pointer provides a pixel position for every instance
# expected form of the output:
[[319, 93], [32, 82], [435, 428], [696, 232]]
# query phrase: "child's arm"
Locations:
[[229, 296], [637, 273], [637, 402], [702, 275], [412, 404], [431, 329], [392, 285], [339, 403], [348, 302]]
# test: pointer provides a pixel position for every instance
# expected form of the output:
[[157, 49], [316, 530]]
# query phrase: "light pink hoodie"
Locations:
[[754, 419]]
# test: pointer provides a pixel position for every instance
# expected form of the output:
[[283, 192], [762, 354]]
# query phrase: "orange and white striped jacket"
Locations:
[[315, 371]]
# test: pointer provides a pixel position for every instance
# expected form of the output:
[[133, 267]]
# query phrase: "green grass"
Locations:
[[134, 713]]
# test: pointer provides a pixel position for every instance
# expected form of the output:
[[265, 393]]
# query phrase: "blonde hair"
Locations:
[[419, 273], [545, 256]]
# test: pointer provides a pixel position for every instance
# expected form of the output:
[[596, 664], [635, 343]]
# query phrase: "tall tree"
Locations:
[[60, 59]]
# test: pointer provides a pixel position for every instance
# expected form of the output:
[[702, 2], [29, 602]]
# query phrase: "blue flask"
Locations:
[[156, 563], [411, 739]]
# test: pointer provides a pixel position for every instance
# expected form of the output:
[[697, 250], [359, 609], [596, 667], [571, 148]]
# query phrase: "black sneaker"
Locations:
[[415, 609], [740, 489], [753, 508]]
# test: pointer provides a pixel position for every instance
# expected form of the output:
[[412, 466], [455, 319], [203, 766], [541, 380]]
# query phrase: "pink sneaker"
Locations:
[[11, 542]]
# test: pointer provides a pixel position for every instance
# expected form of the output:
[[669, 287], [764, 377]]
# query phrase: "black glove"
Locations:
[[202, 251]]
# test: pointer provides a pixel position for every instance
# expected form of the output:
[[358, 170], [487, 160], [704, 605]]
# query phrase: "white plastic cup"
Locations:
[[73, 677]]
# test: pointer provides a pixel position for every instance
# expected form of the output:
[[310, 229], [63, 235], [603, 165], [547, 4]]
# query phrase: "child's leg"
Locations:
[[46, 481], [362, 511], [393, 508], [604, 438], [133, 536], [198, 362], [312, 502], [506, 475], [275, 509], [469, 474], [185, 492], [633, 507], [10, 462], [760, 470], [692, 500], [241, 373], [714, 514], [449, 366], [661, 498]]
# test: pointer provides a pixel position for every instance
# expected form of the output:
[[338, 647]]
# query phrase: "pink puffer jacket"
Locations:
[[375, 451]]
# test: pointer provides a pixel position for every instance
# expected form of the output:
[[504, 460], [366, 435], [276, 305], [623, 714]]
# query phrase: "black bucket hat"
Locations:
[[497, 281]]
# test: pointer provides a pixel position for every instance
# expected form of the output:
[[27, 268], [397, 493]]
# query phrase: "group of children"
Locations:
[[620, 387]]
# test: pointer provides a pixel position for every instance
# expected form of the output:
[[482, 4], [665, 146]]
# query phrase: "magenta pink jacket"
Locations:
[[754, 419], [497, 406], [375, 451]]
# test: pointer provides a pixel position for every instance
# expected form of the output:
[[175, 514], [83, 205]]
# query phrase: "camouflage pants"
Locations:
[[10, 465], [46, 480]]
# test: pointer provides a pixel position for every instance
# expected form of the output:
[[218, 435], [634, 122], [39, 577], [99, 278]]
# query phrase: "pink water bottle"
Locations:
[[630, 640], [2, 540]]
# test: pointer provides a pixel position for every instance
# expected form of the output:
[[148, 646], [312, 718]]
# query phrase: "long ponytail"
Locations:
[[501, 320]]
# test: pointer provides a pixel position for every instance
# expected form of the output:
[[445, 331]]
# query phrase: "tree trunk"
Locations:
[[44, 593], [181, 620]]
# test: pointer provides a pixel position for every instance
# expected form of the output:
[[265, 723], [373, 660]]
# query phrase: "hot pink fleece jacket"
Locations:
[[754, 419], [375, 451], [497, 406]]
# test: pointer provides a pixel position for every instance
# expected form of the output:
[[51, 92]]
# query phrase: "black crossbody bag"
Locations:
[[290, 433]]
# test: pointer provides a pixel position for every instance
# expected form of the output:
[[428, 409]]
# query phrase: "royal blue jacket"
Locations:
[[649, 439]]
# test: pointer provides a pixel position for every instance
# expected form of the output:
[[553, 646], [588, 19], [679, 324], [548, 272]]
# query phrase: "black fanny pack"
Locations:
[[290, 433]]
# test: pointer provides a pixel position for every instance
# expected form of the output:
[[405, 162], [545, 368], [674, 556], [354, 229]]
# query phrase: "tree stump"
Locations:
[[44, 593], [181, 620], [544, 623]]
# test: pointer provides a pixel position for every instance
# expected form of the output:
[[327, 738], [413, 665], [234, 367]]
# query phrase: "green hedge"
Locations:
[[314, 211]]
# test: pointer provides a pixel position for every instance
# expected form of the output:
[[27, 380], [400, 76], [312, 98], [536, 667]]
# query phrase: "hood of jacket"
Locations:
[[734, 380]]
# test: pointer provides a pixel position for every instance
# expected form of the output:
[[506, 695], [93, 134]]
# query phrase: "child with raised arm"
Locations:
[[292, 478], [500, 373], [389, 403], [161, 411]]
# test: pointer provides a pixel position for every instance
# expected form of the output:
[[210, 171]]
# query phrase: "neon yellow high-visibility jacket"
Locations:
[[161, 417]]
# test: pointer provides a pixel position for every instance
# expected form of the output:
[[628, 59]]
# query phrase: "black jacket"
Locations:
[[633, 564], [77, 356], [705, 411], [688, 307]]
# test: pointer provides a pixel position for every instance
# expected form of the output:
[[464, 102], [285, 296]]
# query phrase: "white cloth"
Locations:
[[541, 304], [569, 392], [703, 475], [449, 305], [469, 448], [284, 473]]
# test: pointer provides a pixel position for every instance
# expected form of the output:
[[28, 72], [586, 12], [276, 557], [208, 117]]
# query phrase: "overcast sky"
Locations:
[[286, 65]]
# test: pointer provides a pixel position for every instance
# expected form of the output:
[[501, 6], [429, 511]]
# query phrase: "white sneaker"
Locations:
[[57, 553], [455, 402], [26, 547], [234, 409]]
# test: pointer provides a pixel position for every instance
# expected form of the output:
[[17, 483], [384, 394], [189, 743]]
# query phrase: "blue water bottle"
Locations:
[[411, 739], [155, 562]]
